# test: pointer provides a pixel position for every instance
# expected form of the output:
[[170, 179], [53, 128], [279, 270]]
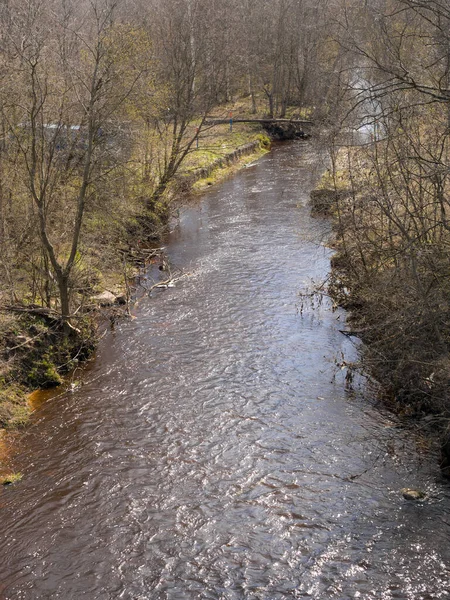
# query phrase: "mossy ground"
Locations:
[[219, 141], [221, 173], [34, 354], [10, 478]]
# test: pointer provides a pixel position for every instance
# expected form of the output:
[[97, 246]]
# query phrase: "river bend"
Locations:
[[213, 451]]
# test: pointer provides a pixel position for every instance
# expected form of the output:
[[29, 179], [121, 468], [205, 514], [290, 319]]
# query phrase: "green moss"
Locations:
[[49, 354], [14, 410], [43, 374], [20, 416], [264, 141], [220, 173], [40, 364], [10, 478]]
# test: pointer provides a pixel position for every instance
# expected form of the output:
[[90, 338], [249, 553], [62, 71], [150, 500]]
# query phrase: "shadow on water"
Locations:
[[213, 451]]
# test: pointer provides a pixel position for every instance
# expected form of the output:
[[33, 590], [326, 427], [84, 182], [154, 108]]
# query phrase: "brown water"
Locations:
[[213, 452]]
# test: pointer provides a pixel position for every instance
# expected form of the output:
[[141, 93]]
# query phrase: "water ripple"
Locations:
[[213, 452]]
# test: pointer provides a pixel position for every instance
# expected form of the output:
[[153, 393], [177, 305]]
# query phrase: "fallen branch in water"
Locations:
[[166, 283], [351, 333]]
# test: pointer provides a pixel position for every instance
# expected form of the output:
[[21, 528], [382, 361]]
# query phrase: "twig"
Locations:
[[28, 341], [167, 282]]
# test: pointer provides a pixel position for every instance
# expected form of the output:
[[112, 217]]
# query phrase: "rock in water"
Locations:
[[416, 495], [105, 299]]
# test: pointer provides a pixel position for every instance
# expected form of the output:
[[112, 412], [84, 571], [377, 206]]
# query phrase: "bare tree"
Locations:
[[393, 228], [65, 91]]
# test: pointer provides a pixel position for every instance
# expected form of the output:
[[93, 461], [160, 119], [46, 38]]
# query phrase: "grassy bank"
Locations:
[[36, 354], [34, 351]]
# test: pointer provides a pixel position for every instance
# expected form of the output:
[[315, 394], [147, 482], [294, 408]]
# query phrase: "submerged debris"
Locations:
[[415, 495]]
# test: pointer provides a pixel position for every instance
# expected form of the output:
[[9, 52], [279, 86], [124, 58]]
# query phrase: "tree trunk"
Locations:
[[271, 102], [64, 296]]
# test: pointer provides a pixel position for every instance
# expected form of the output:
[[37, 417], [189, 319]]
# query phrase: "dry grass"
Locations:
[[391, 272]]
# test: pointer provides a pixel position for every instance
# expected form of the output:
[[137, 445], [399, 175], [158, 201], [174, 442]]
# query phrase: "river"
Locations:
[[213, 450]]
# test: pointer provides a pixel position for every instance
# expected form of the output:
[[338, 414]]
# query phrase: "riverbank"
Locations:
[[216, 423], [387, 272], [35, 353]]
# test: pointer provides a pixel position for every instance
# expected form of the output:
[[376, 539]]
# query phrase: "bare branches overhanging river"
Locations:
[[212, 451]]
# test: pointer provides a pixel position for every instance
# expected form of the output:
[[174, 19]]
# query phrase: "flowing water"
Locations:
[[213, 451]]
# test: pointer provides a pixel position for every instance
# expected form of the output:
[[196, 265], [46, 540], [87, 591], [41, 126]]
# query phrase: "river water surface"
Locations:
[[213, 451]]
